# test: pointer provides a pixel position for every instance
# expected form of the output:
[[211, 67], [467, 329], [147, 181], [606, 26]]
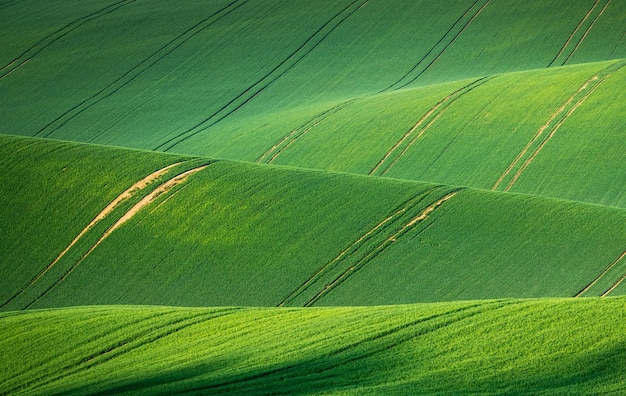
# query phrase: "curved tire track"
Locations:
[[286, 65], [55, 36], [138, 70], [432, 115]]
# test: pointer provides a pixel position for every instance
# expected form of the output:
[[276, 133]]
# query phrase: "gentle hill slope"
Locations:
[[408, 89], [149, 228], [505, 347]]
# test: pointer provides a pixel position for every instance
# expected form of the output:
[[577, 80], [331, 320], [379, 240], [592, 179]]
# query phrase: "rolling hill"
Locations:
[[193, 232], [319, 197], [487, 347]]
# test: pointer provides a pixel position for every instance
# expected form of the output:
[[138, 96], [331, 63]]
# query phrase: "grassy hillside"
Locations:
[[236, 196], [342, 85], [490, 347], [203, 233]]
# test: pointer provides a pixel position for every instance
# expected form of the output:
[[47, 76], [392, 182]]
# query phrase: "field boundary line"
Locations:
[[139, 69], [282, 68], [431, 115], [160, 190], [53, 37], [597, 278], [124, 196]]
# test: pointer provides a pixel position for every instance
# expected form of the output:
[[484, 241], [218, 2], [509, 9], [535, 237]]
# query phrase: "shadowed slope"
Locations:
[[513, 346], [225, 233]]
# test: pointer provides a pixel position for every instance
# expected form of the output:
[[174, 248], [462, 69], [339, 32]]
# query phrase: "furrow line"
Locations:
[[571, 36], [124, 196], [447, 46], [376, 250], [399, 211], [36, 381], [614, 286], [595, 83], [297, 133], [441, 39], [55, 36], [586, 33], [432, 115], [559, 116], [133, 342], [268, 79], [600, 275], [397, 335], [139, 69], [145, 201]]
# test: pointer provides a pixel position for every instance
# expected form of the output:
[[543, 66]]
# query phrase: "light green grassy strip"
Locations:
[[54, 190], [249, 234], [514, 347]]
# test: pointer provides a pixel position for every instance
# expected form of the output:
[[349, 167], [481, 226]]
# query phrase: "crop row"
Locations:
[[564, 345]]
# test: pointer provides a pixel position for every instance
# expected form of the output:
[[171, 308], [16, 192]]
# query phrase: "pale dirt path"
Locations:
[[145, 201], [591, 85], [435, 112], [127, 194]]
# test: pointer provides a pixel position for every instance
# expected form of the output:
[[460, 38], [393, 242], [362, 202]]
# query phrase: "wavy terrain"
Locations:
[[318, 197]]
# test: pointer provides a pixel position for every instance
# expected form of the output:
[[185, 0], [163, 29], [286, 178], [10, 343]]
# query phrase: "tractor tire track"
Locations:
[[429, 118], [373, 253], [136, 339], [139, 69], [124, 196], [445, 41], [369, 245], [379, 342], [554, 123], [600, 275], [55, 36], [586, 33], [571, 36], [614, 286], [145, 201], [277, 149], [282, 68], [401, 209]]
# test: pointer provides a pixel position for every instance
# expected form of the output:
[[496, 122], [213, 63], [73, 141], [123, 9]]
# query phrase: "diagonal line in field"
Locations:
[[432, 49], [586, 33], [571, 36], [277, 149], [380, 247], [48, 40], [139, 69], [390, 337], [130, 343], [559, 116], [431, 116], [145, 201], [600, 275], [124, 196], [444, 49], [285, 66]]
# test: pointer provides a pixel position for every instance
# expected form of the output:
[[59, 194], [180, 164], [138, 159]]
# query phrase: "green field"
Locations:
[[316, 197], [489, 347]]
